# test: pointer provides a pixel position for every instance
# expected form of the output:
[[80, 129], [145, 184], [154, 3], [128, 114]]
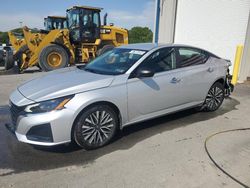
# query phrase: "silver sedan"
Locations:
[[129, 84]]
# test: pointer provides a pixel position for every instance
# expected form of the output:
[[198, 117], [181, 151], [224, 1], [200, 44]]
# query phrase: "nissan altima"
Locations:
[[129, 84]]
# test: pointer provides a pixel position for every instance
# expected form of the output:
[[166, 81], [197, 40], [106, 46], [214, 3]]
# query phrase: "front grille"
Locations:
[[15, 111]]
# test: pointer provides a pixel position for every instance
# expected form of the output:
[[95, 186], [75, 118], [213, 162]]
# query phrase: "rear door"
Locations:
[[196, 73]]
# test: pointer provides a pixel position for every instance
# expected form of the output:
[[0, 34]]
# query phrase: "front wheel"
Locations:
[[214, 98], [53, 57], [95, 127], [9, 60]]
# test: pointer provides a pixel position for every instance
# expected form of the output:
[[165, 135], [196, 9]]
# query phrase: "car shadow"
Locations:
[[16, 157]]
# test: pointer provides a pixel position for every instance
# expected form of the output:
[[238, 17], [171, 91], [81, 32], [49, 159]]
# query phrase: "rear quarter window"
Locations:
[[190, 57]]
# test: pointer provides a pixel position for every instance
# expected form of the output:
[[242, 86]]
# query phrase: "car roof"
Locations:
[[140, 46], [150, 46]]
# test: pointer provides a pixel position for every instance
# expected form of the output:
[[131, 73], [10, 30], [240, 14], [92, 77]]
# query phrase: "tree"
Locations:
[[4, 38], [140, 35]]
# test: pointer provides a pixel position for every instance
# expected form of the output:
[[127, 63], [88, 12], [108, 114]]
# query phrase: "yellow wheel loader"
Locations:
[[51, 22], [20, 44], [84, 39]]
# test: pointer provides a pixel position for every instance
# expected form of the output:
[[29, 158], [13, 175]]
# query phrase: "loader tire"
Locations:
[[9, 61], [53, 57], [105, 49], [1, 58], [19, 55]]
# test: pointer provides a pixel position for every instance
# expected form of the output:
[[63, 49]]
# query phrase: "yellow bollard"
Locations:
[[237, 62]]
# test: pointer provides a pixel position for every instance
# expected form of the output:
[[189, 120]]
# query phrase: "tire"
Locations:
[[19, 55], [92, 131], [53, 57], [215, 97], [9, 60], [1, 58], [1, 55], [105, 49]]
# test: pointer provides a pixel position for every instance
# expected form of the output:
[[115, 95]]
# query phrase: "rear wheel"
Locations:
[[53, 57], [95, 127], [214, 97]]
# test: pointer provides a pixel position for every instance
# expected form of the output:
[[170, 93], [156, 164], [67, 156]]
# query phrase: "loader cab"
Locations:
[[55, 22], [84, 24]]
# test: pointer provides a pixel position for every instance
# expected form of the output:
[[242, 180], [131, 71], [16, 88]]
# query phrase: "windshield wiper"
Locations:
[[97, 71], [91, 70]]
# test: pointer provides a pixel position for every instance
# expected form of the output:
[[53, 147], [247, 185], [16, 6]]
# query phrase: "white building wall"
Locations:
[[216, 25], [167, 21], [244, 73]]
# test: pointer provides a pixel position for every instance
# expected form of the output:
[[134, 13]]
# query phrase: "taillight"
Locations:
[[229, 63]]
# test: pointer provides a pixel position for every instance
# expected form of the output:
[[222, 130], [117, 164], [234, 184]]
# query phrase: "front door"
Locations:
[[90, 27], [153, 94]]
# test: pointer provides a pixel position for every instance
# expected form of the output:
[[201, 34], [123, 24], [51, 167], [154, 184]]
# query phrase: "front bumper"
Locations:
[[45, 129]]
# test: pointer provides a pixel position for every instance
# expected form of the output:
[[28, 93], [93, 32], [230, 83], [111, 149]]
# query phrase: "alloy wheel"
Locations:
[[97, 127], [214, 98]]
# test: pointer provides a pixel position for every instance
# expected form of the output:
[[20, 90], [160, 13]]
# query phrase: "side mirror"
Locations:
[[145, 72]]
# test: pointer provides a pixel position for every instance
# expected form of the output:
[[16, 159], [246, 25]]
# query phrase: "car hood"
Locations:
[[63, 82]]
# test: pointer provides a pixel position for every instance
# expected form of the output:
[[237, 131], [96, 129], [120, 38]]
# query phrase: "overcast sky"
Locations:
[[126, 13]]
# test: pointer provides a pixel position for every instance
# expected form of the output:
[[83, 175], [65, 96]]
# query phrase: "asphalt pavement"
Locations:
[[163, 152]]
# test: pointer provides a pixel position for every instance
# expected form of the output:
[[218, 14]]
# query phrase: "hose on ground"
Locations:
[[213, 160]]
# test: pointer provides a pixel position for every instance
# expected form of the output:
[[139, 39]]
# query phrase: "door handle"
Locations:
[[210, 69], [175, 80]]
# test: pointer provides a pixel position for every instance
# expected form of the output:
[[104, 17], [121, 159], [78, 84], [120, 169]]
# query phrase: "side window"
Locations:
[[190, 56], [96, 20], [161, 60], [65, 25], [86, 20]]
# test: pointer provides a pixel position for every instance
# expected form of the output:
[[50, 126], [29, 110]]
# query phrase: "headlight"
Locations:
[[47, 106]]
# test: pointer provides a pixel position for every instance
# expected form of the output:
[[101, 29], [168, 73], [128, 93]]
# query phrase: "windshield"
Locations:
[[65, 24], [73, 18], [115, 62], [54, 23], [48, 24]]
